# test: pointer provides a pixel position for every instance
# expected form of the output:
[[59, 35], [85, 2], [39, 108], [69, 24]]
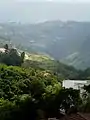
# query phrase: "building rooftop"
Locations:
[[75, 84]]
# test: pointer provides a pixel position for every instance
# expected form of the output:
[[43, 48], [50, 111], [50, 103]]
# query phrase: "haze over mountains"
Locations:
[[33, 11], [66, 41]]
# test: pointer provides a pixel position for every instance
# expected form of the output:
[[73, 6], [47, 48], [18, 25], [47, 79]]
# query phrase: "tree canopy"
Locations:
[[29, 89]]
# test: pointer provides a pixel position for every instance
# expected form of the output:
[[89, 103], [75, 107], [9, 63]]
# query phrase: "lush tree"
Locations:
[[22, 57], [17, 84], [11, 57]]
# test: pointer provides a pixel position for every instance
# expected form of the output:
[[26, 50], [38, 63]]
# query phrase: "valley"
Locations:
[[64, 41]]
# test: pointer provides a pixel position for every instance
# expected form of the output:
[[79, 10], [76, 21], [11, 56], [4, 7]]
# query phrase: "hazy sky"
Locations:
[[40, 10]]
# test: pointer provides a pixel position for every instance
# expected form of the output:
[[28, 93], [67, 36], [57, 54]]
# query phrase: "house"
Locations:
[[75, 84]]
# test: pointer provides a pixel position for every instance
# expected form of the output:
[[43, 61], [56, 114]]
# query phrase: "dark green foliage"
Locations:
[[17, 85], [6, 46], [85, 106], [11, 57], [59, 69], [68, 98], [23, 108], [87, 88], [22, 56], [65, 99], [24, 91]]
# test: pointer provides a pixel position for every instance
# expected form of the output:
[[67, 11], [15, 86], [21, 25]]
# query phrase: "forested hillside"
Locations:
[[33, 90], [12, 56], [70, 40], [15, 57]]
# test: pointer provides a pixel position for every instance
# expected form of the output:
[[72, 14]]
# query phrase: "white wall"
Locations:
[[75, 84]]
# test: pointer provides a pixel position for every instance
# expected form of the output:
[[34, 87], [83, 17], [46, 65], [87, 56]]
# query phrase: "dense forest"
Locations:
[[32, 90]]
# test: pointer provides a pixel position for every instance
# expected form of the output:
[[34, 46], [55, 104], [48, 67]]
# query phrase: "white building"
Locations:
[[75, 84], [2, 50]]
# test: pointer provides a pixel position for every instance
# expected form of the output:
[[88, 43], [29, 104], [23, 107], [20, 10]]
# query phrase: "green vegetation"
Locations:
[[59, 69], [11, 56], [33, 89], [25, 91], [19, 87]]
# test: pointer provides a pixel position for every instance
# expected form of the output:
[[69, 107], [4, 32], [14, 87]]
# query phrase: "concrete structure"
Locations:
[[75, 84], [2, 50]]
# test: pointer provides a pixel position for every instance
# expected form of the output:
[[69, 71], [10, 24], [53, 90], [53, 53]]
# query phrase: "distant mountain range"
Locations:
[[65, 41]]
